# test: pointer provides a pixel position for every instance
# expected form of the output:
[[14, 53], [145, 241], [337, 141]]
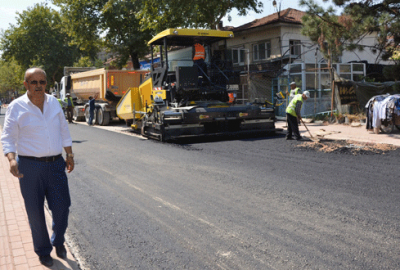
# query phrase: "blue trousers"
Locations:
[[91, 117], [45, 180]]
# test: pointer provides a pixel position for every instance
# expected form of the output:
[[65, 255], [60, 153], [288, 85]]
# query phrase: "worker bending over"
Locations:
[[293, 115]]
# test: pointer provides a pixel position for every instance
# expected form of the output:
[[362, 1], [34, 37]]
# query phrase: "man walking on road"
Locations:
[[70, 107], [34, 134], [92, 107], [293, 115]]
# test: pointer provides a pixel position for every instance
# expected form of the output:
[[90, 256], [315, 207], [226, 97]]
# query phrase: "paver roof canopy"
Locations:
[[187, 37]]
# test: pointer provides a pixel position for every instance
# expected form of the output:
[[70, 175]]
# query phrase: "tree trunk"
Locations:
[[135, 60]]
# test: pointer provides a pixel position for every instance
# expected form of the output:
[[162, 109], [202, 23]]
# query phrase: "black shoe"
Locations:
[[61, 252], [299, 138], [46, 260]]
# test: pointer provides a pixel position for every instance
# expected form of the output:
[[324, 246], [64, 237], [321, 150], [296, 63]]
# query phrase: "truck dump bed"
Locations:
[[108, 85]]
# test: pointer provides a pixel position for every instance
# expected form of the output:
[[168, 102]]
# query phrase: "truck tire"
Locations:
[[103, 117], [96, 121], [75, 117], [87, 116]]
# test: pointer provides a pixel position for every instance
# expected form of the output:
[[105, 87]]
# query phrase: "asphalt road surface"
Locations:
[[230, 203]]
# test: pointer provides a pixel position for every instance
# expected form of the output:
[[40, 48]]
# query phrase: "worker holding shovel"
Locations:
[[294, 116]]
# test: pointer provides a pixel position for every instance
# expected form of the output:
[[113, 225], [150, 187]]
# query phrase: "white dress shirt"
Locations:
[[29, 132]]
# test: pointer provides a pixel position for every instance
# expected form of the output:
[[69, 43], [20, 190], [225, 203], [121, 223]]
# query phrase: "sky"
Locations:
[[8, 9]]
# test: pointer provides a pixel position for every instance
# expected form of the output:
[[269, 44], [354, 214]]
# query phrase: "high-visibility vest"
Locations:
[[291, 109], [66, 100], [60, 101], [295, 91], [199, 52], [231, 97]]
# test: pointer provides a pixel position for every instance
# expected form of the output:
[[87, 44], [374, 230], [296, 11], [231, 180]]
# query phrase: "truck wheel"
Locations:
[[103, 118], [75, 116], [87, 116], [96, 120]]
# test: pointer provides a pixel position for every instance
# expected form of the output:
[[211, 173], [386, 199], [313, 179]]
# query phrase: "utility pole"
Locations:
[[315, 84]]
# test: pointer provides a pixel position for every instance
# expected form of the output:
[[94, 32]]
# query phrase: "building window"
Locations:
[[262, 51], [238, 55], [295, 47]]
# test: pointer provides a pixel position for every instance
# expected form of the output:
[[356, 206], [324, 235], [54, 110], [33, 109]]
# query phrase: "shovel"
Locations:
[[312, 138]]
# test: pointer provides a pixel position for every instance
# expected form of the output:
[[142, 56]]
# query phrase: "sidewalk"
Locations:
[[16, 247], [345, 132]]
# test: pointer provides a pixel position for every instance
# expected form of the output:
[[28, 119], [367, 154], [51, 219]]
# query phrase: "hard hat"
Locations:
[[293, 83], [307, 94], [68, 94]]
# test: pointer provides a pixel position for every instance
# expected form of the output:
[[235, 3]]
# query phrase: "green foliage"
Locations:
[[332, 33], [38, 39], [98, 63], [116, 21], [81, 20], [381, 16], [162, 14], [392, 72], [125, 35], [127, 26], [11, 77], [84, 61]]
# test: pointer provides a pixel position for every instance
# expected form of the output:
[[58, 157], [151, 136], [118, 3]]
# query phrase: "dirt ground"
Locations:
[[343, 147]]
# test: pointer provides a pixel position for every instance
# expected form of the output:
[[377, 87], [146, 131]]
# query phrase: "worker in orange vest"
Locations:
[[232, 98], [199, 55]]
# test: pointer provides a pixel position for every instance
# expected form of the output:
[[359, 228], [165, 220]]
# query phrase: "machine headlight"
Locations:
[[168, 115], [202, 116]]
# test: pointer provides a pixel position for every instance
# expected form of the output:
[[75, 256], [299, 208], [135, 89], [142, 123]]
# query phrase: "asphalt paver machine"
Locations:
[[188, 100]]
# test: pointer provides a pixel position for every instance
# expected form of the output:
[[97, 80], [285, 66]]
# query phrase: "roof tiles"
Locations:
[[289, 15]]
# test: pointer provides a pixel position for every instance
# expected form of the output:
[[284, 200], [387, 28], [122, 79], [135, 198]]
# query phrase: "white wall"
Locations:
[[280, 35]]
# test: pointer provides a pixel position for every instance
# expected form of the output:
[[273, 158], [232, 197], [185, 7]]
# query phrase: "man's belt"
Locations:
[[43, 159]]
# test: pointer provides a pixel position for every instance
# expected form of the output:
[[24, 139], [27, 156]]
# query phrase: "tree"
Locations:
[[162, 14], [85, 61], [38, 39], [127, 26], [11, 77], [117, 21], [331, 32], [381, 16]]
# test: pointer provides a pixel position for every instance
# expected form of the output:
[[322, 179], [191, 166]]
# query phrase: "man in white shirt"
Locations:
[[294, 90], [35, 129]]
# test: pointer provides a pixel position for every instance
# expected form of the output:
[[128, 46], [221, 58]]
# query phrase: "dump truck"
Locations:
[[107, 85], [188, 100]]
